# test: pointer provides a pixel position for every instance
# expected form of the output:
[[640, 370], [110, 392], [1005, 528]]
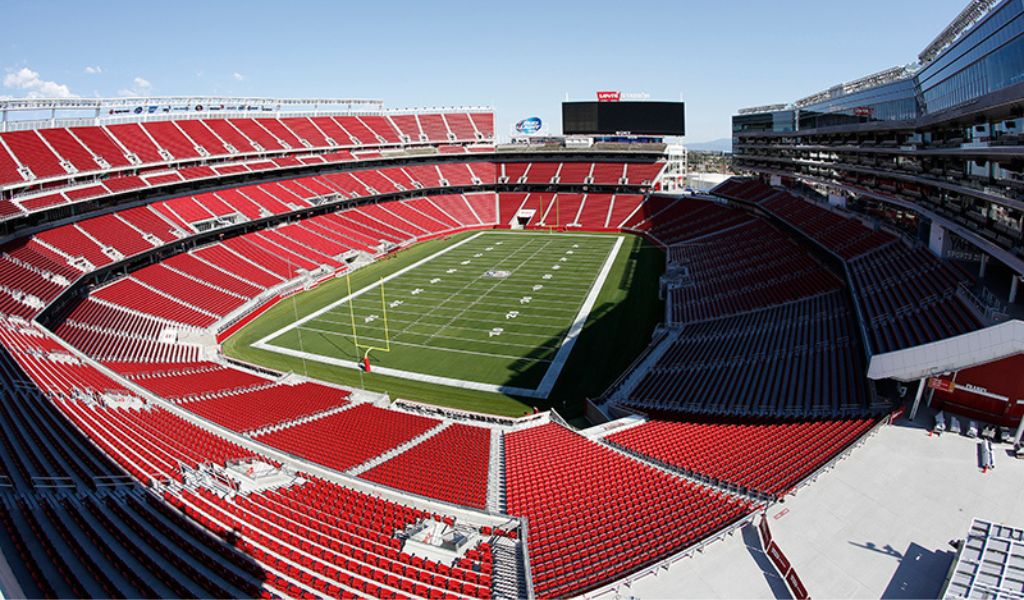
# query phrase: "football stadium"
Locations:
[[306, 347]]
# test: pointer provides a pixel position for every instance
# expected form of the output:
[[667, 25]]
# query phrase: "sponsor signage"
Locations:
[[529, 126], [796, 586], [981, 391], [777, 557], [766, 534], [616, 96], [785, 568], [942, 385]]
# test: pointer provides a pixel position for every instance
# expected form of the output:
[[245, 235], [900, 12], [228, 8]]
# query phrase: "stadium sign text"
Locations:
[[616, 96]]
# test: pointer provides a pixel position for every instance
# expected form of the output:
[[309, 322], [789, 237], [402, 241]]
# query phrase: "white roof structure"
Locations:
[[951, 354]]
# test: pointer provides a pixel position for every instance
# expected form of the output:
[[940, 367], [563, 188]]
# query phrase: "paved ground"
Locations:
[[878, 525]]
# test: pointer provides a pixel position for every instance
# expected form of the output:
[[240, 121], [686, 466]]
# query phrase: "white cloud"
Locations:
[[34, 87], [90, 70], [140, 87], [238, 76]]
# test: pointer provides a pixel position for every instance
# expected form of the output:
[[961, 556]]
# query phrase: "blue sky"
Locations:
[[521, 57]]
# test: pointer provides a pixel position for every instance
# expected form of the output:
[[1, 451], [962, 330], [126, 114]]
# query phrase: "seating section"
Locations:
[[744, 189], [108, 333], [595, 515], [683, 220], [349, 438], [31, 276], [200, 287], [151, 443], [247, 410], [191, 381], [579, 173], [592, 212], [327, 540], [845, 236], [798, 359], [93, 542], [309, 538], [743, 268], [27, 156], [28, 202], [57, 371], [450, 466], [126, 545], [908, 298], [763, 457], [36, 443]]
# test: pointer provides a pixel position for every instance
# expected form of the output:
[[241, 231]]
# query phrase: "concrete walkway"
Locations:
[[877, 525]]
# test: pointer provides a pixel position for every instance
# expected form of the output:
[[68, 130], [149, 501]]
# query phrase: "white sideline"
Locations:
[[550, 376]]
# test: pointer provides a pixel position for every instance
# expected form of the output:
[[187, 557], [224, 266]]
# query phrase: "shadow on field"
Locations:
[[616, 331]]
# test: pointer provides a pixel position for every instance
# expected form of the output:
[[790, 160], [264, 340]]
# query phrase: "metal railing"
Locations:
[[984, 304], [652, 569]]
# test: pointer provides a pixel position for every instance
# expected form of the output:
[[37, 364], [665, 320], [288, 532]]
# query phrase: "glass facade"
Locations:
[[988, 58], [781, 121], [896, 101]]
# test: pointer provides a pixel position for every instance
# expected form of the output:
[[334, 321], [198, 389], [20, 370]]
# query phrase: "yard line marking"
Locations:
[[548, 328], [462, 289], [262, 341], [561, 319], [556, 313], [442, 348], [555, 365]]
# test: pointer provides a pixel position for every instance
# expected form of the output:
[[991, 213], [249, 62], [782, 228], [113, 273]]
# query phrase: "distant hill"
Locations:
[[720, 145]]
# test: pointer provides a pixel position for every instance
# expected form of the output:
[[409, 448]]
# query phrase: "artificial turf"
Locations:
[[442, 315]]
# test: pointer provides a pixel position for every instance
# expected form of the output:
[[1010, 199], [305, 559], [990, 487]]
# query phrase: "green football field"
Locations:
[[496, 311], [446, 331]]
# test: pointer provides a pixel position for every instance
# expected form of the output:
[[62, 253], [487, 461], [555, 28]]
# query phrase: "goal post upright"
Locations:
[[384, 311], [352, 317]]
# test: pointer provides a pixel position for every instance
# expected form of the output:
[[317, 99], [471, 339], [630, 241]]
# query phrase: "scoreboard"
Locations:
[[623, 118]]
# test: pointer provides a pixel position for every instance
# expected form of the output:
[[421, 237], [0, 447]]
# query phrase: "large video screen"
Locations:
[[636, 118]]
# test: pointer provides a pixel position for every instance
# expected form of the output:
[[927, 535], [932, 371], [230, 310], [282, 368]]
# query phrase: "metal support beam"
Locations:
[[917, 398]]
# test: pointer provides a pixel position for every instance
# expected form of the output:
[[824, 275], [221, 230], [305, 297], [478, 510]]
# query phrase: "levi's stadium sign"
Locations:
[[610, 96]]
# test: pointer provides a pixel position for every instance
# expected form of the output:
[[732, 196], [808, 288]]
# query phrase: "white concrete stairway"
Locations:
[[203, 282], [416, 441], [301, 420], [692, 477], [222, 393], [509, 577], [174, 299], [496, 473]]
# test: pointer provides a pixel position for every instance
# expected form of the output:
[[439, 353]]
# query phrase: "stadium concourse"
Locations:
[[179, 293]]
